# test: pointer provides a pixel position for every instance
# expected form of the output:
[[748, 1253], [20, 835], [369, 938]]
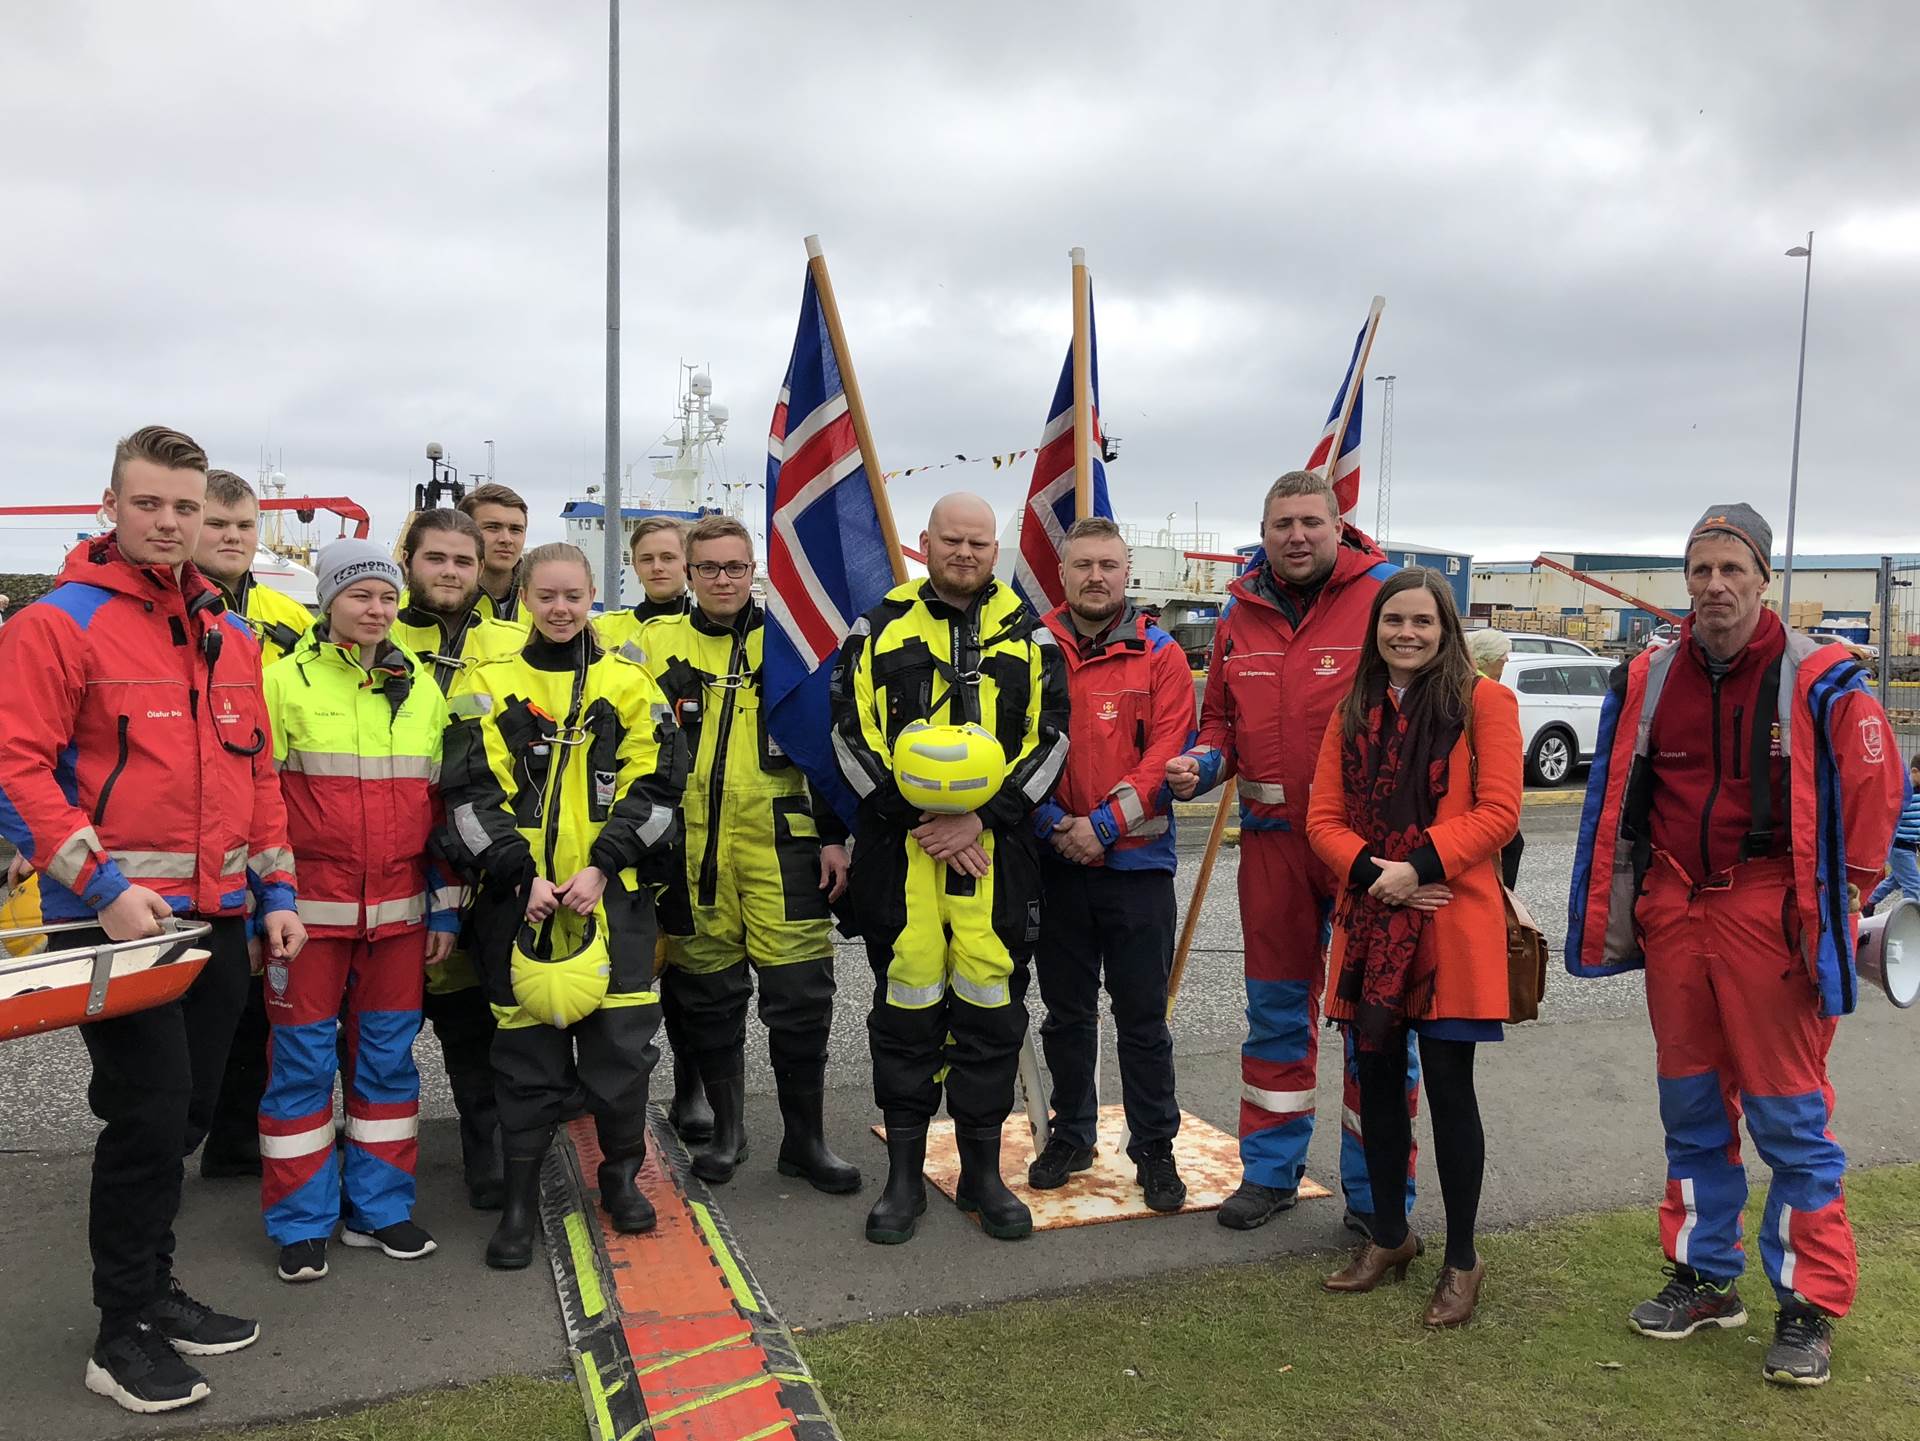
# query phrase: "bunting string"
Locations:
[[998, 462]]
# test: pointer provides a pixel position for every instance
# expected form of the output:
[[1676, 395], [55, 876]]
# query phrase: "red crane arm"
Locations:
[[338, 504], [1601, 585]]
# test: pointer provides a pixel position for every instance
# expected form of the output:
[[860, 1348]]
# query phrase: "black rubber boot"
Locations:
[[720, 1158], [627, 1205], [904, 1200], [481, 1164], [511, 1246], [803, 1146], [1003, 1215], [689, 1115]]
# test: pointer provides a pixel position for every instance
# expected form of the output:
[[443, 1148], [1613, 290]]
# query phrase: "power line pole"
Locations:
[[1384, 509], [612, 559]]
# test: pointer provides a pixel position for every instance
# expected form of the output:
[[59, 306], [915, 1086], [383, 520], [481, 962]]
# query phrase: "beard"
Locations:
[[1097, 609], [961, 583], [432, 599]]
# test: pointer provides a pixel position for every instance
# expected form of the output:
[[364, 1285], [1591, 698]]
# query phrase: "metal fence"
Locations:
[[1896, 632]]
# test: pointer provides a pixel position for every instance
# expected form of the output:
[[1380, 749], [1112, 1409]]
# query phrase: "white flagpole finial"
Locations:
[[1077, 255], [813, 247]]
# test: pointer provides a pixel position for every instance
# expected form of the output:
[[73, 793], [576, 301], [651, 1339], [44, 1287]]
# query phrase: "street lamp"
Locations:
[[1799, 252]]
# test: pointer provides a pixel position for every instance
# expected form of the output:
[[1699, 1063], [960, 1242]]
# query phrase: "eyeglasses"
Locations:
[[735, 569]]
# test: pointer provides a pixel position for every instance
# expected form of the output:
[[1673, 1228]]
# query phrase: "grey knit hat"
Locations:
[[347, 561], [1743, 523]]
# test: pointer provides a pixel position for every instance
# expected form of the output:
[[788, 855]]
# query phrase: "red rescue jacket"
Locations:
[[134, 744], [1271, 688], [1131, 712]]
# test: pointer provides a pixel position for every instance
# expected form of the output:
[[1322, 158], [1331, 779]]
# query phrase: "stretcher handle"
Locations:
[[174, 932]]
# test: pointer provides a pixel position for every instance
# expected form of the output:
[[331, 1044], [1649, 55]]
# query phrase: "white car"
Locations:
[[1560, 699], [1528, 642]]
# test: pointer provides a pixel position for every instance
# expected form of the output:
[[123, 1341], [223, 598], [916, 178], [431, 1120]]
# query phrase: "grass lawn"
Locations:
[[1260, 1350]]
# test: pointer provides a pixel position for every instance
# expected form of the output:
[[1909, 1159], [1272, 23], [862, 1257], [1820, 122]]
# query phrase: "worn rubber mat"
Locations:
[[1208, 1158], [670, 1334]]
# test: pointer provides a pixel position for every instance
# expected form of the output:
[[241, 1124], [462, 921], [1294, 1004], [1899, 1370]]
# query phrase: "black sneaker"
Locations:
[[1685, 1304], [198, 1330], [1058, 1161], [1802, 1349], [1160, 1183], [1253, 1205], [303, 1261], [138, 1370], [403, 1240]]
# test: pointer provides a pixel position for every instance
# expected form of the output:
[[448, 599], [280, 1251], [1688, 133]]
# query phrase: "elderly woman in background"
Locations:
[[1416, 789], [1489, 649]]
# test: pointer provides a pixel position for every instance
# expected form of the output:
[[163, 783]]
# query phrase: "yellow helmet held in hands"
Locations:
[[555, 985], [948, 769]]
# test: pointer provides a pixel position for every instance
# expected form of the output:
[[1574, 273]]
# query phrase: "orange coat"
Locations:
[[1469, 933]]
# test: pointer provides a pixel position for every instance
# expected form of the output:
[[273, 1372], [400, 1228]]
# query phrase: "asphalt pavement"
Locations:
[[1570, 1116]]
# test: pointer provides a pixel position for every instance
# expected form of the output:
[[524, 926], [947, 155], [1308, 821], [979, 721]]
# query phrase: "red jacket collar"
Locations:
[[1356, 556], [98, 561], [1128, 630]]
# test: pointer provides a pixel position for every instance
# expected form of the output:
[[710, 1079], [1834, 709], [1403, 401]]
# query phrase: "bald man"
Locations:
[[949, 905]]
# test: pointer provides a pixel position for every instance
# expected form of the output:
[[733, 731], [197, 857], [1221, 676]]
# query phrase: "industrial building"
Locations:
[[1845, 587]]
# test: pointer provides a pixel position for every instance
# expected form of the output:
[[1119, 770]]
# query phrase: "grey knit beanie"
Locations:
[[347, 561]]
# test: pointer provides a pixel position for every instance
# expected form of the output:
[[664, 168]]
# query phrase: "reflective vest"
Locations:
[[1844, 786], [277, 621], [914, 657], [553, 765], [448, 647], [359, 756]]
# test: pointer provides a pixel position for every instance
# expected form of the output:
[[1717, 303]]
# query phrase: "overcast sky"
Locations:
[[342, 230]]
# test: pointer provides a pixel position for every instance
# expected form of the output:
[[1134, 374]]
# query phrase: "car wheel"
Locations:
[[1550, 760]]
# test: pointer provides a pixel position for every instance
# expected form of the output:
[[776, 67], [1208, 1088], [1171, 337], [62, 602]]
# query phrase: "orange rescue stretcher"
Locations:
[[52, 988]]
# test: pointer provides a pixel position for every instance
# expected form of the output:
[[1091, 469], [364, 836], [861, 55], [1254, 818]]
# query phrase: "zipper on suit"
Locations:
[[558, 770], [717, 780], [119, 764], [1713, 791]]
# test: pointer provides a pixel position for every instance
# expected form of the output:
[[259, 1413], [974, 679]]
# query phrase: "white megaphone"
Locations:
[[1888, 951]]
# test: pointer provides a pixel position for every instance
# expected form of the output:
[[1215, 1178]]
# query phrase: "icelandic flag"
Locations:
[[1049, 512], [1344, 473], [827, 563]]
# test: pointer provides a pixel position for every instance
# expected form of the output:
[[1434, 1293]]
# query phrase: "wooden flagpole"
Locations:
[[1082, 386], [856, 409], [1191, 923]]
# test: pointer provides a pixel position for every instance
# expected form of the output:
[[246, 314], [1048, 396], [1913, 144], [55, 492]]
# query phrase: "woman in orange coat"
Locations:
[[1416, 790]]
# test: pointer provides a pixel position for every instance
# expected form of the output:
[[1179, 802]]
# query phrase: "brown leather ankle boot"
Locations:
[[1371, 1264], [1455, 1295]]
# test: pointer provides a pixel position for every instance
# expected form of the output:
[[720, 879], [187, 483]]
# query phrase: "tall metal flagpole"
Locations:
[[614, 558], [1799, 393]]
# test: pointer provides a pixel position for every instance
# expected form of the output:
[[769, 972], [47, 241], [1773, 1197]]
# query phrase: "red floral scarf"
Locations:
[[1393, 774]]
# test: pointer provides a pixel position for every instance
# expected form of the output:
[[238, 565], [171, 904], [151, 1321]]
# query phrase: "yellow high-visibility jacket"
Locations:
[[914, 657], [277, 621]]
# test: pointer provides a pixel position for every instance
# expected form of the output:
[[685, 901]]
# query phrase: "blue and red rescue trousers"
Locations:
[[301, 1168], [1729, 811], [1283, 659]]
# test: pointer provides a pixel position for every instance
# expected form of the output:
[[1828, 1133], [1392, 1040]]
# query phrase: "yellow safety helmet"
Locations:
[[21, 911], [948, 769], [558, 987]]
